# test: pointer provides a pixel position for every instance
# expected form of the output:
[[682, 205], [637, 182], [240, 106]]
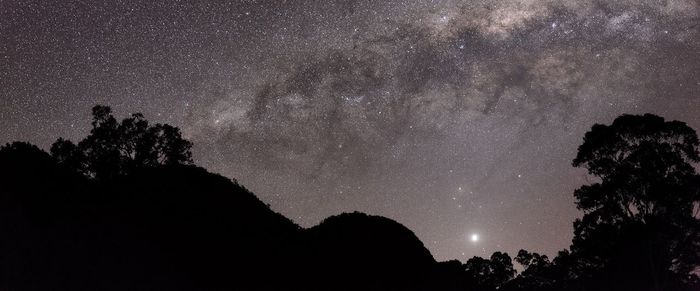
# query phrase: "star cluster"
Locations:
[[459, 119]]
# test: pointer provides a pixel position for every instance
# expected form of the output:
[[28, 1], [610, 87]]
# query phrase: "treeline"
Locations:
[[125, 209]]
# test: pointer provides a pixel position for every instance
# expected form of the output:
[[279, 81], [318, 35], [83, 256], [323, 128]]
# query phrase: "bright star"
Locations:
[[474, 238]]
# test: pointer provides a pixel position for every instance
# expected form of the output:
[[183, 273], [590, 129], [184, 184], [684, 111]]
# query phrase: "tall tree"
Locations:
[[642, 211]]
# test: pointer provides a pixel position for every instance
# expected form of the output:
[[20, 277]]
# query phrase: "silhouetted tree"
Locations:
[[501, 268], [170, 148], [69, 155], [133, 132], [114, 148], [101, 147], [645, 167], [538, 273], [533, 263], [488, 274], [639, 220]]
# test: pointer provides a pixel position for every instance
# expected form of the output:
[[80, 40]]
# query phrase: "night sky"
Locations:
[[458, 119]]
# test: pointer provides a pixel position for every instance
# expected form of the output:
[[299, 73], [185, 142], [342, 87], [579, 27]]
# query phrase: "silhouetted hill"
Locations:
[[367, 253], [171, 226], [208, 226], [179, 227]]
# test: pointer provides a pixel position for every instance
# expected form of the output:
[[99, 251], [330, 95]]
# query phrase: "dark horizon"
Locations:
[[127, 207]]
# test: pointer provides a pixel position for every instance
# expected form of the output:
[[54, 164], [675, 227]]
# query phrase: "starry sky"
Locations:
[[458, 119]]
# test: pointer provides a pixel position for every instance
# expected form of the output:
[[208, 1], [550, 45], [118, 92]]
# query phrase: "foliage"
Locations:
[[645, 199], [488, 274], [645, 166], [115, 148]]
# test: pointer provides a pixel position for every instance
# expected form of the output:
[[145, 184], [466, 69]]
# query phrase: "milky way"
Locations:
[[452, 117]]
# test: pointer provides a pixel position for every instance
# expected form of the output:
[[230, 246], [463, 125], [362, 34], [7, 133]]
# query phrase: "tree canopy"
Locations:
[[645, 165], [113, 148], [491, 273], [643, 209]]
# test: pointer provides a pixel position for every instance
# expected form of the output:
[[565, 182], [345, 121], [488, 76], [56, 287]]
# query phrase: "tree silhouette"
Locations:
[[533, 263], [538, 273], [115, 148], [69, 155], [169, 148], [501, 268], [645, 165], [642, 213], [489, 274]]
